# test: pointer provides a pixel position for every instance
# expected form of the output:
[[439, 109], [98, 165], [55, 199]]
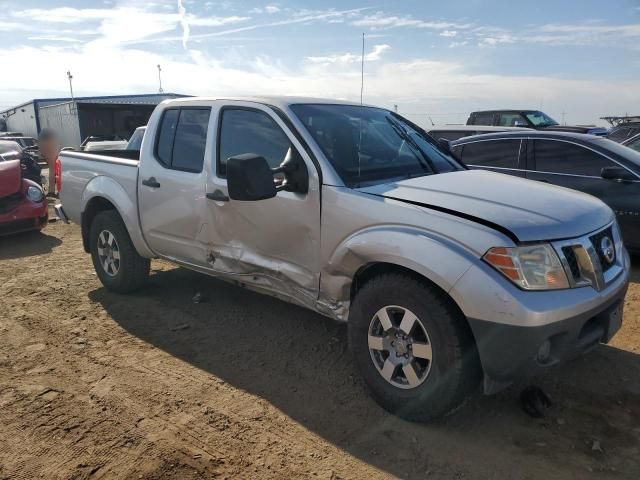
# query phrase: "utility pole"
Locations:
[[362, 71], [160, 78]]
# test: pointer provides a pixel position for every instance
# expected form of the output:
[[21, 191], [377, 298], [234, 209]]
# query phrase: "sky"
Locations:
[[577, 60]]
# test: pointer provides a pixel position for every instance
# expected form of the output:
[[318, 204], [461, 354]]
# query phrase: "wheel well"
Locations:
[[94, 207], [371, 270]]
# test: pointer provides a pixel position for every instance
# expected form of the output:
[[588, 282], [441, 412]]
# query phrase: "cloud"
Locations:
[[303, 16], [424, 85], [448, 33], [380, 20], [492, 41], [346, 58], [184, 23]]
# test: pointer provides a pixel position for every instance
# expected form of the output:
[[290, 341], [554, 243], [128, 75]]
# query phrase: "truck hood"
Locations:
[[523, 209], [10, 177]]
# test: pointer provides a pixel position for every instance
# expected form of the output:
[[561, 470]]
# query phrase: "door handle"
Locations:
[[218, 196], [151, 182]]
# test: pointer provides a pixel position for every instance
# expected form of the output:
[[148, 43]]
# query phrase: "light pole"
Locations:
[[160, 78], [70, 77]]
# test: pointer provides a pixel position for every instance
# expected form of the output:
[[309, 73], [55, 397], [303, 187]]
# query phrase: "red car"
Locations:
[[22, 203]]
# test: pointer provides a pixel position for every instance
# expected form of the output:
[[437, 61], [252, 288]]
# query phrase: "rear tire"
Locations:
[[433, 345], [115, 259]]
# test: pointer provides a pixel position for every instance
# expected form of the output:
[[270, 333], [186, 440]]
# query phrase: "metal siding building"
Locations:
[[84, 116]]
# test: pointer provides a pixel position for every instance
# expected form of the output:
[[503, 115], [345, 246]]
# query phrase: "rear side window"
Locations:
[[482, 118], [562, 157], [511, 120], [182, 139], [167, 133], [492, 153], [250, 131]]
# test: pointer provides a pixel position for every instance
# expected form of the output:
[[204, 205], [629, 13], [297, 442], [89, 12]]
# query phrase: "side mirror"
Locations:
[[617, 173], [249, 178], [444, 144]]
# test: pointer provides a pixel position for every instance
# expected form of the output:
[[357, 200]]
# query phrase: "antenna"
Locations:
[[160, 78], [362, 71], [70, 77]]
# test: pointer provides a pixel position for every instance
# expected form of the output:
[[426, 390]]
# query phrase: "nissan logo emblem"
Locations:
[[606, 247]]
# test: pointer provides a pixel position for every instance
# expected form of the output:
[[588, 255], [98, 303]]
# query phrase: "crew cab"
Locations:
[[445, 275]]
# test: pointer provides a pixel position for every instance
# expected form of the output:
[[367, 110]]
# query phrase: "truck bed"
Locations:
[[83, 171]]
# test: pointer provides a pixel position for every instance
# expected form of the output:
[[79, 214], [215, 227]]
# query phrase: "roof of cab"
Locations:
[[475, 128], [277, 101]]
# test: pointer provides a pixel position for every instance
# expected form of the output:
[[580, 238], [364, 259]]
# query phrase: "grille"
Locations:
[[9, 202], [572, 261], [596, 240]]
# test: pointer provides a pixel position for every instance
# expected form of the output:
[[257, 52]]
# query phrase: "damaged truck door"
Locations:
[[273, 242]]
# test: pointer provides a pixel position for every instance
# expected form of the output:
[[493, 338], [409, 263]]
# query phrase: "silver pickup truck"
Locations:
[[446, 276]]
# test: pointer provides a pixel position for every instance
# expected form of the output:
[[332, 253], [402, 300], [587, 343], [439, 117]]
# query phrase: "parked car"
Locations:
[[444, 274], [590, 164], [624, 131], [529, 119], [135, 142], [24, 142], [22, 203], [454, 132], [9, 150], [633, 142]]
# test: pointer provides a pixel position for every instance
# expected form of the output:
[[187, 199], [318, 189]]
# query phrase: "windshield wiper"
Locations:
[[424, 160]]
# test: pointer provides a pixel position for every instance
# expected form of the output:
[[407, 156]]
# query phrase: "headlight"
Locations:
[[531, 267], [35, 194]]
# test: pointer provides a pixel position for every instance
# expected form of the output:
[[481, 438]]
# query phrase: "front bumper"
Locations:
[[25, 216], [521, 333]]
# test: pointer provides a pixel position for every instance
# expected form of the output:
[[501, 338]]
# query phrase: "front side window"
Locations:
[[369, 145], [561, 157], [492, 153], [250, 131], [182, 138]]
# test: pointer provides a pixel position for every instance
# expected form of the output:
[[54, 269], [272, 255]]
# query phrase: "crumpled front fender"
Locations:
[[438, 259]]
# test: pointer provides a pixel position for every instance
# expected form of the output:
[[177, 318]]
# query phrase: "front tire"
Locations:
[[115, 259], [413, 347]]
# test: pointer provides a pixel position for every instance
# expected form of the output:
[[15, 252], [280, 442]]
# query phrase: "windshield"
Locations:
[[369, 145], [540, 119]]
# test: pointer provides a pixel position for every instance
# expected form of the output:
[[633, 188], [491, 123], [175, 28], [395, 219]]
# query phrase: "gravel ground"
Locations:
[[152, 385]]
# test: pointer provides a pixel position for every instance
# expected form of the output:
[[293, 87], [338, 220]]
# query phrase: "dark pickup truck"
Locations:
[[528, 119]]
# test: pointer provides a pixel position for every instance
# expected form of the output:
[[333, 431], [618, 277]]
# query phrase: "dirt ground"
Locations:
[[152, 385]]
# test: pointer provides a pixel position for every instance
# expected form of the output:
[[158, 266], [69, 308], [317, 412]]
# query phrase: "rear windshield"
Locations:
[[369, 145]]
